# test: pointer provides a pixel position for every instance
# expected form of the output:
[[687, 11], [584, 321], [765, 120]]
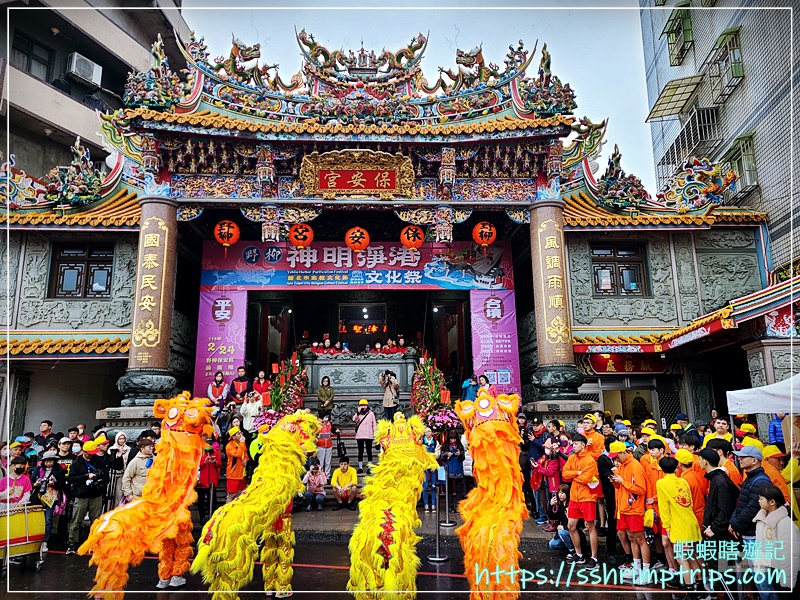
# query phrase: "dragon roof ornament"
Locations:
[[698, 184], [338, 66], [616, 189], [364, 87]]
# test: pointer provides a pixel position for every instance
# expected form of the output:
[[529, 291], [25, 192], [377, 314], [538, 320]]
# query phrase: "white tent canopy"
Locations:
[[775, 398]]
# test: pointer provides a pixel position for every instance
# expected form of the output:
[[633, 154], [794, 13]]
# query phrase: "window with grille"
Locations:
[[31, 57], [619, 270], [741, 159], [725, 67], [679, 35], [81, 271]]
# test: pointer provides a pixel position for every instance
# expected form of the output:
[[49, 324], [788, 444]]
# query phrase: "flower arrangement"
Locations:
[[426, 398], [285, 392]]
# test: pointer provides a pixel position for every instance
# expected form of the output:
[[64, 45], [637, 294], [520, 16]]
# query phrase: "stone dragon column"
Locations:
[[148, 376], [556, 377]]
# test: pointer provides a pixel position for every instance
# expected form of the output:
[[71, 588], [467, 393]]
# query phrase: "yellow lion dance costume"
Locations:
[[494, 511], [159, 521], [263, 514], [383, 560]]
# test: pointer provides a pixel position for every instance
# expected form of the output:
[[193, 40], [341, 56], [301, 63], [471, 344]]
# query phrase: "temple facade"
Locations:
[[247, 215]]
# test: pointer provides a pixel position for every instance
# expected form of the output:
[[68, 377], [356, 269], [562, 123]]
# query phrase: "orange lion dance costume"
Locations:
[[159, 521], [493, 512]]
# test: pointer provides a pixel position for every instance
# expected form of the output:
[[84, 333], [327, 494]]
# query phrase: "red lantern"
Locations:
[[484, 233], [412, 237], [226, 233], [357, 239], [301, 235]]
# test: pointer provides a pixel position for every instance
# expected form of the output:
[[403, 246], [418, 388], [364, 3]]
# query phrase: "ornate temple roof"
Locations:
[[213, 122]]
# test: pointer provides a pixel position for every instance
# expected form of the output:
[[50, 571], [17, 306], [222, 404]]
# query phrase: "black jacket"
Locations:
[[742, 517], [79, 474], [720, 504], [536, 445], [604, 466]]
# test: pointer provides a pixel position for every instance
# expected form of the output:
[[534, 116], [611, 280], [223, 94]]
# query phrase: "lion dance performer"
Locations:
[[494, 511], [159, 521], [383, 560], [228, 547]]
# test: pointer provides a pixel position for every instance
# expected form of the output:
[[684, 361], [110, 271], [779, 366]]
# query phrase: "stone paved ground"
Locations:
[[345, 521]]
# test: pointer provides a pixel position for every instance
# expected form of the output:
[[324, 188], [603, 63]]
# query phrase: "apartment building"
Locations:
[[719, 83]]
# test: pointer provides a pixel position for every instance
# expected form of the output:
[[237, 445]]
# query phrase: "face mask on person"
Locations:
[[19, 470], [80, 430], [76, 448], [564, 442]]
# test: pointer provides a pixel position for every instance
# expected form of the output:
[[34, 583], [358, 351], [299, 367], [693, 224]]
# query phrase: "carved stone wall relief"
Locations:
[[9, 271], [38, 312], [725, 276], [659, 309], [727, 264], [785, 363], [687, 278], [702, 395], [725, 239], [755, 364], [182, 344]]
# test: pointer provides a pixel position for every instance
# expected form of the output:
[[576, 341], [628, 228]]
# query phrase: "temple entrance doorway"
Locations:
[[281, 322]]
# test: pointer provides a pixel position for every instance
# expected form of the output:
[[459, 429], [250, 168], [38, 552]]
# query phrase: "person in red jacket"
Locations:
[[208, 478], [261, 386], [549, 467]]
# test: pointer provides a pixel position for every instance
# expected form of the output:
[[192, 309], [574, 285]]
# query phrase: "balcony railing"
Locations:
[[699, 136]]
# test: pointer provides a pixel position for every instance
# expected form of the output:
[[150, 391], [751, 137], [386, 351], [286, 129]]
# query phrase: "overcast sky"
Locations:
[[598, 51]]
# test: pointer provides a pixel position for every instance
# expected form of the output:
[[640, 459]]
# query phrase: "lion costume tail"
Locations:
[[228, 546], [383, 558], [112, 550]]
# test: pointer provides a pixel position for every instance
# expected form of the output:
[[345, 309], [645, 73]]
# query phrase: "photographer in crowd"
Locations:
[[391, 392]]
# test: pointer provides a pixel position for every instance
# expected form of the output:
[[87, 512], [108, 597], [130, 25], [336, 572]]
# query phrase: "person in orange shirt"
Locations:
[[595, 442], [581, 470], [630, 488], [724, 449], [653, 474], [687, 472], [236, 450], [773, 465], [691, 442]]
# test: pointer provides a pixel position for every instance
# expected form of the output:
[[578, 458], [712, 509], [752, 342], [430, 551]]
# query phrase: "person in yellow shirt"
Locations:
[[722, 431], [791, 475], [750, 437], [345, 485], [696, 483], [677, 517]]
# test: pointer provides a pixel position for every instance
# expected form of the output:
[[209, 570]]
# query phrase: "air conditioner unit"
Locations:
[[84, 70]]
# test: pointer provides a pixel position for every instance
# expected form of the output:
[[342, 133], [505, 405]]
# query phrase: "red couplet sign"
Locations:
[[358, 180]]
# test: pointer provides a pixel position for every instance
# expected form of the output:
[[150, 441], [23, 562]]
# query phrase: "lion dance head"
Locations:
[[303, 427], [185, 414], [399, 431], [487, 416]]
